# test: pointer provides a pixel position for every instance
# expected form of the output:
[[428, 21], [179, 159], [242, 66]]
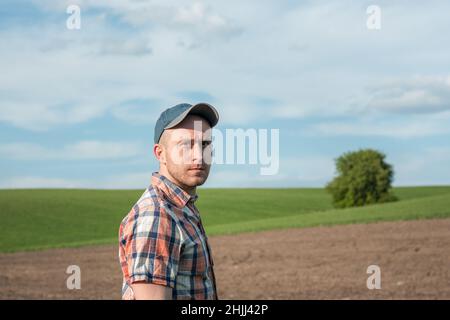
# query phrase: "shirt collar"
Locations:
[[174, 193]]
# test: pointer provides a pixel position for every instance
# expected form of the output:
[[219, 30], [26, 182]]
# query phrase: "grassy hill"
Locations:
[[37, 219]]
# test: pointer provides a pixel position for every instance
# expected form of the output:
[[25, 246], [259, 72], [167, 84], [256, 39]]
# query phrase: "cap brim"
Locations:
[[204, 110]]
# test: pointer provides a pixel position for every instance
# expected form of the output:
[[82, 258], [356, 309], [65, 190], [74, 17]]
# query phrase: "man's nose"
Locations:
[[197, 153]]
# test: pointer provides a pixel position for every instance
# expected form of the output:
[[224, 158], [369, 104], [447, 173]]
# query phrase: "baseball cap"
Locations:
[[170, 117]]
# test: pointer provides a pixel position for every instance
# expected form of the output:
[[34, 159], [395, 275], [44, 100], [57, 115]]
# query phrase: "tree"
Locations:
[[363, 178]]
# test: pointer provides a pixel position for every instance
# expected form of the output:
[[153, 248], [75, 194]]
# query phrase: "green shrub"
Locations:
[[363, 177]]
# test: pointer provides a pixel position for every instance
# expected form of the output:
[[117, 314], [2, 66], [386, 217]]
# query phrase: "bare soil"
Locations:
[[311, 263]]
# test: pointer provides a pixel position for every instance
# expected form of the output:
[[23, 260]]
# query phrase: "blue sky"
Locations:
[[77, 107]]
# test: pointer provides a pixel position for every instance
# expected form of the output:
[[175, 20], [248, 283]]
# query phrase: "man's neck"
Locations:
[[191, 190]]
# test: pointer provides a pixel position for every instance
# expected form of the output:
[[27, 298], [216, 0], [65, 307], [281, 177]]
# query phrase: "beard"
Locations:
[[189, 177]]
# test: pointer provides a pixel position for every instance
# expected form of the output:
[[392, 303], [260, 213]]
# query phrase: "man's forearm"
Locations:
[[150, 291]]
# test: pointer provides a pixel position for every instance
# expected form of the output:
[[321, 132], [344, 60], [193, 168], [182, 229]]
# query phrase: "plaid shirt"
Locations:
[[162, 241]]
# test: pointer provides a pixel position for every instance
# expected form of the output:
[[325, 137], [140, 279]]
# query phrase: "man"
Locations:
[[163, 249]]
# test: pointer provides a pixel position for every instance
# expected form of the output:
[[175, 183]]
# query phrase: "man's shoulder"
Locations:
[[149, 200], [151, 203]]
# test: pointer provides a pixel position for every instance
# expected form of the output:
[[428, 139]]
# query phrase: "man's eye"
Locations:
[[185, 144], [206, 143]]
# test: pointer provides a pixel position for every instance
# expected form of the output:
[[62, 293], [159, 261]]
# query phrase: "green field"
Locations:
[[36, 219]]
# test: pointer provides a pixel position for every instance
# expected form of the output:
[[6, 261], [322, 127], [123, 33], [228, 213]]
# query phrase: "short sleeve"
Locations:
[[151, 247]]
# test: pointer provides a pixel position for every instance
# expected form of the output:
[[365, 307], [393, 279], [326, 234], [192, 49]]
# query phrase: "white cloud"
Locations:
[[408, 127], [82, 150], [427, 166], [199, 15], [137, 180], [137, 112], [133, 180], [243, 57], [38, 117], [196, 23], [441, 153], [135, 46], [24, 182], [309, 170], [419, 94], [205, 25]]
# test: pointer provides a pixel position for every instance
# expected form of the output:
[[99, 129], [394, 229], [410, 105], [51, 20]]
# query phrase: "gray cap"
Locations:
[[174, 115]]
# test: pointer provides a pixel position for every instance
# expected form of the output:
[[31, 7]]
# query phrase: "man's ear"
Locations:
[[158, 151]]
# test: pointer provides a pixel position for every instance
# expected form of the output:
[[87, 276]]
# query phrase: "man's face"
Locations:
[[187, 151]]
